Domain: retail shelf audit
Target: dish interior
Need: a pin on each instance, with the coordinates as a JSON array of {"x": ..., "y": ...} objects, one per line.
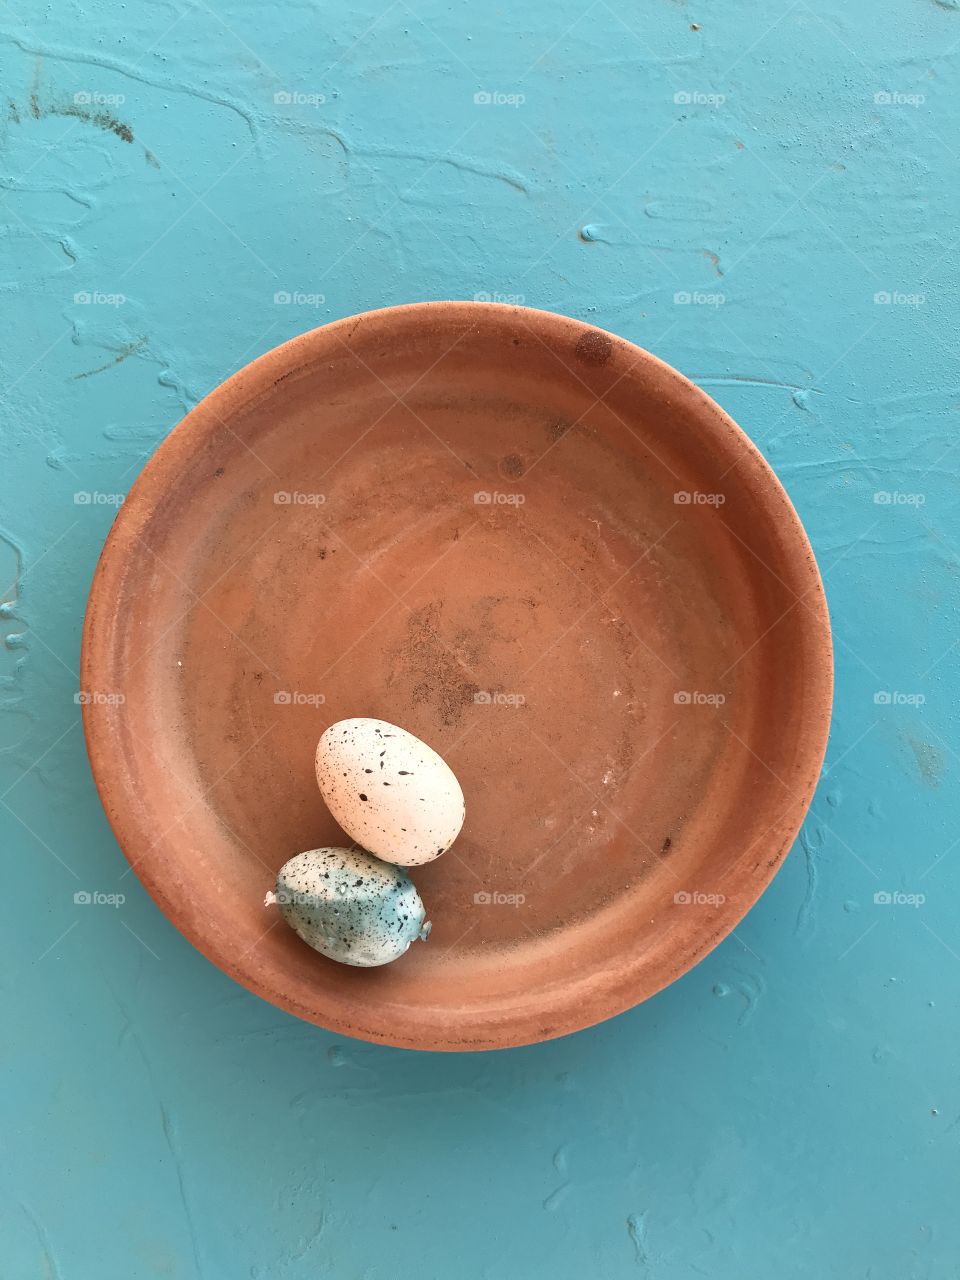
[{"x": 547, "y": 556}]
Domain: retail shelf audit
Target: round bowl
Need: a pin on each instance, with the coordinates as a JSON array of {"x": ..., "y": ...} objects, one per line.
[{"x": 540, "y": 549}]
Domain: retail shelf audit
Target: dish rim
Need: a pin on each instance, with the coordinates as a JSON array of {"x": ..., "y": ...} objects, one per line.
[{"x": 99, "y": 652}]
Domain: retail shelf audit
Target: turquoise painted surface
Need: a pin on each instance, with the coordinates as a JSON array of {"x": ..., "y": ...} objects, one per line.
[{"x": 791, "y": 1107}]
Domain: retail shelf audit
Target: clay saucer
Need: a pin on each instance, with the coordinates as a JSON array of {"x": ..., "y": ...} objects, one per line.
[{"x": 538, "y": 548}]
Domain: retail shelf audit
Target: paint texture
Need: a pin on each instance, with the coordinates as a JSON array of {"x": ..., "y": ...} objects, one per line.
[{"x": 767, "y": 199}]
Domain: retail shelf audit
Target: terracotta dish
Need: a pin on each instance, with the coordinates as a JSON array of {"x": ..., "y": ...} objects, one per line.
[{"x": 538, "y": 548}]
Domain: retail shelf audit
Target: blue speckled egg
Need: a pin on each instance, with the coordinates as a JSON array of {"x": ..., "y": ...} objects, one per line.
[{"x": 350, "y": 906}]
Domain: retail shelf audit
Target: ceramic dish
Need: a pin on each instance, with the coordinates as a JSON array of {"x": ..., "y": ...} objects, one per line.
[{"x": 532, "y": 544}]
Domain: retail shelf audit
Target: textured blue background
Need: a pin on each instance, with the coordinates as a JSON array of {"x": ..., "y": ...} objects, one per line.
[{"x": 792, "y": 1106}]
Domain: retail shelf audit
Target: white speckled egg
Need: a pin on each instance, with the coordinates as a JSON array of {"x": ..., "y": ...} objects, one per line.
[
  {"x": 350, "y": 906},
  {"x": 389, "y": 791}
]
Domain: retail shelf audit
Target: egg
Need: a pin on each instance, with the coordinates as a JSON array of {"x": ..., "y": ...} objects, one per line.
[
  {"x": 350, "y": 906},
  {"x": 389, "y": 791}
]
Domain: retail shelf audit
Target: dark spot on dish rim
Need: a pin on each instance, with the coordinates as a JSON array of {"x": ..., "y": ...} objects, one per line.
[{"x": 594, "y": 348}]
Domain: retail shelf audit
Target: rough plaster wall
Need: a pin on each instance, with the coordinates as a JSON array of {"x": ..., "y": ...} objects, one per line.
[{"x": 792, "y": 1106}]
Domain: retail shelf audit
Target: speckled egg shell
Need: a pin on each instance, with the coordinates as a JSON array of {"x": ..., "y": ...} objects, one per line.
[
  {"x": 349, "y": 906},
  {"x": 389, "y": 791}
]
